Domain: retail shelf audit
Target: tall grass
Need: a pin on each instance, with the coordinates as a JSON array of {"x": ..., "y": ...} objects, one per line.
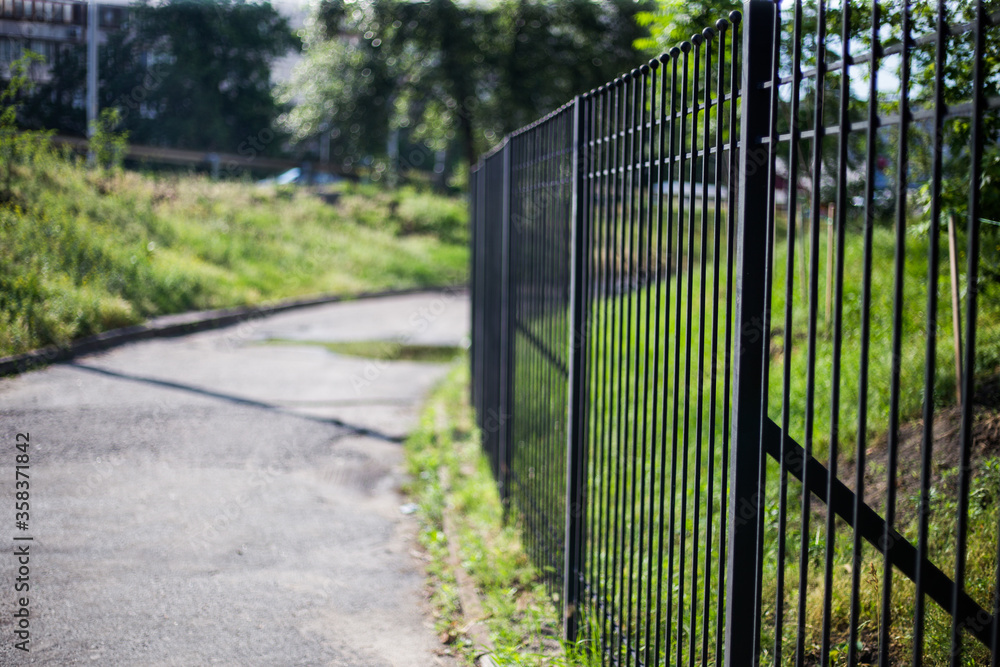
[
  {"x": 84, "y": 250},
  {"x": 645, "y": 440}
]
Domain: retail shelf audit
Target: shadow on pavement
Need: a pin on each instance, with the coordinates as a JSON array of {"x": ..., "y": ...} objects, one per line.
[{"x": 357, "y": 430}]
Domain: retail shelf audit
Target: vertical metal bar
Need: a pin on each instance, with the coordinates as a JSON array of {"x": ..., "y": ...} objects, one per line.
[
  {"x": 769, "y": 243},
  {"x": 512, "y": 285},
  {"x": 587, "y": 287},
  {"x": 930, "y": 365},
  {"x": 506, "y": 333},
  {"x": 689, "y": 317},
  {"x": 520, "y": 358},
  {"x": 635, "y": 349},
  {"x": 534, "y": 443},
  {"x": 748, "y": 351},
  {"x": 596, "y": 364},
  {"x": 814, "y": 212},
  {"x": 683, "y": 456},
  {"x": 607, "y": 336},
  {"x": 892, "y": 444},
  {"x": 481, "y": 306},
  {"x": 621, "y": 415},
  {"x": 646, "y": 230},
  {"x": 968, "y": 371},
  {"x": 548, "y": 180},
  {"x": 656, "y": 467},
  {"x": 473, "y": 180},
  {"x": 579, "y": 201},
  {"x": 548, "y": 487},
  {"x": 707, "y": 35},
  {"x": 681, "y": 155},
  {"x": 668, "y": 390},
  {"x": 735, "y": 18},
  {"x": 721, "y": 26},
  {"x": 866, "y": 297},
  {"x": 555, "y": 444},
  {"x": 488, "y": 249},
  {"x": 614, "y": 389},
  {"x": 842, "y": 155},
  {"x": 787, "y": 337},
  {"x": 596, "y": 452},
  {"x": 539, "y": 328},
  {"x": 475, "y": 286},
  {"x": 843, "y": 128},
  {"x": 576, "y": 439},
  {"x": 632, "y": 347}
]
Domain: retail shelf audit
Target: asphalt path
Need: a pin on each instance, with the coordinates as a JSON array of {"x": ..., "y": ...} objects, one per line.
[{"x": 217, "y": 499}]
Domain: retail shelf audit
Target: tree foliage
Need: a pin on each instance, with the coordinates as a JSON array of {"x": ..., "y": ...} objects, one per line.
[
  {"x": 674, "y": 21},
  {"x": 450, "y": 74},
  {"x": 186, "y": 73},
  {"x": 15, "y": 144},
  {"x": 109, "y": 146}
]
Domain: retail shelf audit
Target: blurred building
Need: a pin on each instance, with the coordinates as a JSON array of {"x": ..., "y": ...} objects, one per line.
[{"x": 49, "y": 26}]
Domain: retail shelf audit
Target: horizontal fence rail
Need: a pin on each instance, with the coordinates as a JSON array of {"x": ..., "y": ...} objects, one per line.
[{"x": 736, "y": 342}]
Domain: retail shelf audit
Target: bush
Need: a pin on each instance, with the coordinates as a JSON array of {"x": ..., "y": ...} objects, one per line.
[
  {"x": 407, "y": 212},
  {"x": 443, "y": 217}
]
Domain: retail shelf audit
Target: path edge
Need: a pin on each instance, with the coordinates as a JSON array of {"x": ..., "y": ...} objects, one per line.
[{"x": 187, "y": 323}]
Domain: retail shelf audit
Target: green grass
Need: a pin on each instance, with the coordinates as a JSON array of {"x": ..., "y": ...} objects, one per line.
[
  {"x": 449, "y": 475},
  {"x": 83, "y": 251},
  {"x": 621, "y": 469}
]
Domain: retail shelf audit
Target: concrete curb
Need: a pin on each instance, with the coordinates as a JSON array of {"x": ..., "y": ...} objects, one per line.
[
  {"x": 181, "y": 324},
  {"x": 468, "y": 597}
]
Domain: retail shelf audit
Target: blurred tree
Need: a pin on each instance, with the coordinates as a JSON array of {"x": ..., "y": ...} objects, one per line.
[
  {"x": 185, "y": 73},
  {"x": 674, "y": 21},
  {"x": 959, "y": 77},
  {"x": 14, "y": 143},
  {"x": 108, "y": 145},
  {"x": 452, "y": 74},
  {"x": 59, "y": 103}
]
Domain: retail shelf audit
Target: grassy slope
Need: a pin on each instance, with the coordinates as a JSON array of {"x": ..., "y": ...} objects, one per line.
[{"x": 83, "y": 251}]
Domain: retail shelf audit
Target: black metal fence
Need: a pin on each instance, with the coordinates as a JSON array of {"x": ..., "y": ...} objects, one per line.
[{"x": 746, "y": 409}]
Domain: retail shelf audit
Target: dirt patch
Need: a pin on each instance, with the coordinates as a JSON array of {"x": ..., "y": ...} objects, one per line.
[{"x": 945, "y": 453}]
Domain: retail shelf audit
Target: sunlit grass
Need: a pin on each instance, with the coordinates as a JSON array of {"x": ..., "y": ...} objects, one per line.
[
  {"x": 450, "y": 477},
  {"x": 627, "y": 467},
  {"x": 83, "y": 251}
]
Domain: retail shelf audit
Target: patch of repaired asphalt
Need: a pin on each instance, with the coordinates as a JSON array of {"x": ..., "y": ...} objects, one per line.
[{"x": 203, "y": 500}]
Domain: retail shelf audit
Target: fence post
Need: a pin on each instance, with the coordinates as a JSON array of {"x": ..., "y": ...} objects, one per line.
[
  {"x": 741, "y": 593},
  {"x": 478, "y": 287},
  {"x": 576, "y": 441},
  {"x": 506, "y": 335}
]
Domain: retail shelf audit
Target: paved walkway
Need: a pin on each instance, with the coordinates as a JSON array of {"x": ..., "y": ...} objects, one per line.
[{"x": 212, "y": 499}]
